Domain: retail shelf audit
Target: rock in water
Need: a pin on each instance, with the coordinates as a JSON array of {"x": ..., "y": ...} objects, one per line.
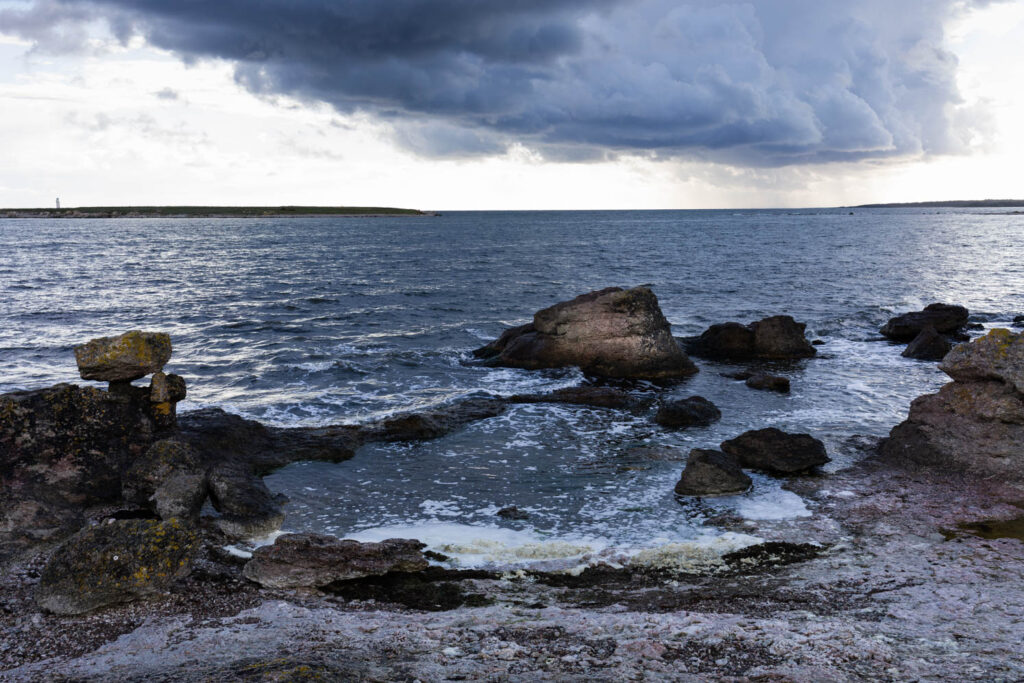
[
  {"x": 945, "y": 318},
  {"x": 928, "y": 345},
  {"x": 114, "y": 563},
  {"x": 765, "y": 382},
  {"x": 695, "y": 411},
  {"x": 778, "y": 337},
  {"x": 711, "y": 473},
  {"x": 309, "y": 560},
  {"x": 974, "y": 424},
  {"x": 776, "y": 451},
  {"x": 612, "y": 332},
  {"x": 248, "y": 508},
  {"x": 123, "y": 358},
  {"x": 999, "y": 355}
]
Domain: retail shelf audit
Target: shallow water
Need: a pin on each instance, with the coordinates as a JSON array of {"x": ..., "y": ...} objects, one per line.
[{"x": 316, "y": 320}]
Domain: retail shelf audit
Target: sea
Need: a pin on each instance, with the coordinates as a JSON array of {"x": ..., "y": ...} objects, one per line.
[{"x": 323, "y": 320}]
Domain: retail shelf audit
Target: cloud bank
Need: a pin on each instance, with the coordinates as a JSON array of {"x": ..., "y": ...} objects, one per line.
[{"x": 758, "y": 83}]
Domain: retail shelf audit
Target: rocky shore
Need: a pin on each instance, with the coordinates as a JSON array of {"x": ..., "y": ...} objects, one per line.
[{"x": 112, "y": 568}]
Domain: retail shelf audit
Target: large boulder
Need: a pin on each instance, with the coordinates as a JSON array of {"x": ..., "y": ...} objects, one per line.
[
  {"x": 975, "y": 424},
  {"x": 778, "y": 337},
  {"x": 711, "y": 473},
  {"x": 695, "y": 411},
  {"x": 114, "y": 563},
  {"x": 312, "y": 560},
  {"x": 125, "y": 357},
  {"x": 612, "y": 332},
  {"x": 247, "y": 507},
  {"x": 945, "y": 318},
  {"x": 776, "y": 451}
]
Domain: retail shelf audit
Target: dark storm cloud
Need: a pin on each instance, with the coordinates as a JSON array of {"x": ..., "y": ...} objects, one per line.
[{"x": 762, "y": 82}]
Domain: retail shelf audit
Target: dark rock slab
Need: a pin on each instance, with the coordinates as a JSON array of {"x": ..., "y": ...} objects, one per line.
[
  {"x": 928, "y": 345},
  {"x": 432, "y": 423},
  {"x": 711, "y": 473},
  {"x": 766, "y": 382},
  {"x": 695, "y": 411},
  {"x": 777, "y": 337},
  {"x": 513, "y": 512},
  {"x": 114, "y": 563},
  {"x": 945, "y": 318},
  {"x": 123, "y": 358},
  {"x": 311, "y": 560},
  {"x": 596, "y": 397},
  {"x": 776, "y": 451},
  {"x": 612, "y": 332}
]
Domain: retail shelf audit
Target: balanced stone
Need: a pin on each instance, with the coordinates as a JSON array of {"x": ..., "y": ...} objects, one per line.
[
  {"x": 310, "y": 560},
  {"x": 123, "y": 358},
  {"x": 612, "y": 332},
  {"x": 114, "y": 563}
]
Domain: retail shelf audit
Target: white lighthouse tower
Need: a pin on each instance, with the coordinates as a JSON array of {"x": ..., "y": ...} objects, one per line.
[{"x": 58, "y": 202}]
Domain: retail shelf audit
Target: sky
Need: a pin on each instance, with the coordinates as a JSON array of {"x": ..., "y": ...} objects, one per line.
[{"x": 510, "y": 104}]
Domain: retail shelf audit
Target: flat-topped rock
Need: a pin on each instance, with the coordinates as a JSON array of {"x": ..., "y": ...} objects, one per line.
[
  {"x": 945, "y": 318},
  {"x": 612, "y": 332},
  {"x": 999, "y": 355},
  {"x": 778, "y": 337},
  {"x": 311, "y": 560},
  {"x": 125, "y": 357},
  {"x": 776, "y": 451}
]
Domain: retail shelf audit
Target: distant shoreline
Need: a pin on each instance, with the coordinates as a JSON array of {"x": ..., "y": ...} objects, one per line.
[
  {"x": 950, "y": 204},
  {"x": 211, "y": 212}
]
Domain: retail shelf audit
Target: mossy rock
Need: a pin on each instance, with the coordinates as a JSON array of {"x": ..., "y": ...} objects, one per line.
[
  {"x": 125, "y": 357},
  {"x": 114, "y": 563}
]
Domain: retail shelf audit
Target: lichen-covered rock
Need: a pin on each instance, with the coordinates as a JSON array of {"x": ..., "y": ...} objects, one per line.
[
  {"x": 695, "y": 411},
  {"x": 945, "y": 318},
  {"x": 180, "y": 495},
  {"x": 778, "y": 337},
  {"x": 776, "y": 451},
  {"x": 310, "y": 560},
  {"x": 974, "y": 424},
  {"x": 999, "y": 355},
  {"x": 612, "y": 332},
  {"x": 123, "y": 358},
  {"x": 114, "y": 563},
  {"x": 928, "y": 345},
  {"x": 711, "y": 473}
]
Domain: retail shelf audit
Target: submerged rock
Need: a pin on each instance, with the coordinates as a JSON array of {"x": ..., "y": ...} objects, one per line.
[
  {"x": 513, "y": 512},
  {"x": 312, "y": 560},
  {"x": 123, "y": 358},
  {"x": 776, "y": 451},
  {"x": 695, "y": 411},
  {"x": 928, "y": 345},
  {"x": 765, "y": 382},
  {"x": 778, "y": 337},
  {"x": 711, "y": 473},
  {"x": 612, "y": 332},
  {"x": 945, "y": 318},
  {"x": 974, "y": 424},
  {"x": 116, "y": 562},
  {"x": 597, "y": 397}
]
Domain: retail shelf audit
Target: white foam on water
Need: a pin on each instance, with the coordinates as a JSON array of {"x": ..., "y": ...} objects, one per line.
[
  {"x": 773, "y": 504},
  {"x": 698, "y": 554}
]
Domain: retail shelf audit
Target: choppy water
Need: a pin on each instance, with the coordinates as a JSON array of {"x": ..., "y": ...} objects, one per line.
[{"x": 307, "y": 321}]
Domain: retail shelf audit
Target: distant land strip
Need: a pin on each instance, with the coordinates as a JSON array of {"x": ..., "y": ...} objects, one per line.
[
  {"x": 207, "y": 211},
  {"x": 954, "y": 204}
]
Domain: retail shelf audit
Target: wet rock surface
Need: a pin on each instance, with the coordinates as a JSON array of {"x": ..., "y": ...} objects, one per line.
[
  {"x": 944, "y": 318},
  {"x": 695, "y": 411},
  {"x": 123, "y": 358},
  {"x": 612, "y": 332},
  {"x": 711, "y": 473},
  {"x": 766, "y": 382},
  {"x": 595, "y": 397},
  {"x": 777, "y": 337},
  {"x": 928, "y": 345},
  {"x": 115, "y": 562},
  {"x": 310, "y": 560},
  {"x": 776, "y": 451}
]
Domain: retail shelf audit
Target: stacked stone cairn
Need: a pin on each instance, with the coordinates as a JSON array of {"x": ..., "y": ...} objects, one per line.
[{"x": 130, "y": 356}]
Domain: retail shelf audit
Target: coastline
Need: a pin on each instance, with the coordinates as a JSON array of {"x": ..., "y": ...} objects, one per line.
[{"x": 213, "y": 212}]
